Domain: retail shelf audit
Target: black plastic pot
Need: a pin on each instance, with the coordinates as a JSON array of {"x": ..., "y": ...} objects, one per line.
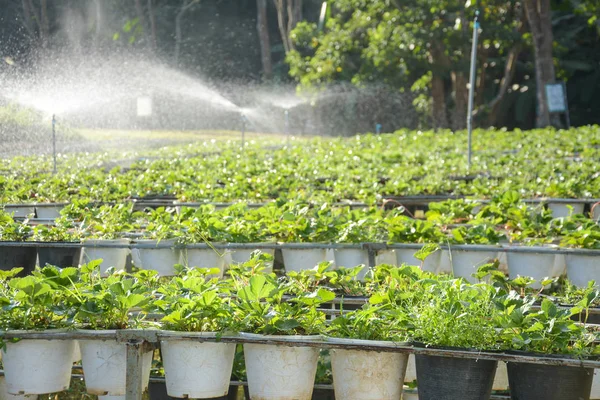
[
  {"x": 18, "y": 257},
  {"x": 323, "y": 394},
  {"x": 158, "y": 391},
  {"x": 62, "y": 257},
  {"x": 448, "y": 378},
  {"x": 549, "y": 382}
]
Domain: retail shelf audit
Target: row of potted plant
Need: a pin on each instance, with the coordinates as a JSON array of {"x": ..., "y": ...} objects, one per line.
[
  {"x": 405, "y": 306},
  {"x": 323, "y": 169}
]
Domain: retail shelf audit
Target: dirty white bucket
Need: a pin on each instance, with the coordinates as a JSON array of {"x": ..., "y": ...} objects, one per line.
[
  {"x": 76, "y": 351},
  {"x": 351, "y": 258},
  {"x": 466, "y": 262},
  {"x": 281, "y": 372},
  {"x": 111, "y": 257},
  {"x": 535, "y": 265},
  {"x": 105, "y": 366},
  {"x": 204, "y": 258},
  {"x": 561, "y": 210},
  {"x": 411, "y": 370},
  {"x": 386, "y": 257},
  {"x": 37, "y": 366},
  {"x": 431, "y": 263},
  {"x": 583, "y": 268},
  {"x": 302, "y": 259},
  {"x": 161, "y": 260},
  {"x": 595, "y": 394},
  {"x": 50, "y": 211},
  {"x": 501, "y": 378},
  {"x": 445, "y": 262},
  {"x": 4, "y": 395},
  {"x": 368, "y": 375},
  {"x": 196, "y": 370}
]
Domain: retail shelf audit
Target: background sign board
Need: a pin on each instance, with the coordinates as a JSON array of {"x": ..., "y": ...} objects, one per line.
[{"x": 556, "y": 98}]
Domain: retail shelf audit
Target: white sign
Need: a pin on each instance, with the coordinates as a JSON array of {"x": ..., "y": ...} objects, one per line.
[
  {"x": 556, "y": 98},
  {"x": 144, "y": 106}
]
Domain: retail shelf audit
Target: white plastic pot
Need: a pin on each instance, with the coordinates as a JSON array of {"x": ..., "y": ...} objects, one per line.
[
  {"x": 368, "y": 375},
  {"x": 76, "y": 351},
  {"x": 561, "y": 210},
  {"x": 560, "y": 264},
  {"x": 350, "y": 258},
  {"x": 302, "y": 259},
  {"x": 595, "y": 394},
  {"x": 386, "y": 257},
  {"x": 431, "y": 263},
  {"x": 162, "y": 260},
  {"x": 196, "y": 369},
  {"x": 111, "y": 257},
  {"x": 242, "y": 255},
  {"x": 501, "y": 378},
  {"x": 411, "y": 370},
  {"x": 4, "y": 395},
  {"x": 466, "y": 262},
  {"x": 105, "y": 366},
  {"x": 445, "y": 262},
  {"x": 596, "y": 211},
  {"x": 204, "y": 258},
  {"x": 583, "y": 268},
  {"x": 37, "y": 366},
  {"x": 111, "y": 397},
  {"x": 20, "y": 211},
  {"x": 48, "y": 212},
  {"x": 281, "y": 372},
  {"x": 535, "y": 265}
]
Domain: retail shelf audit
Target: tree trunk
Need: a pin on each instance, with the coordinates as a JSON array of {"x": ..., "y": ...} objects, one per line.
[
  {"x": 509, "y": 72},
  {"x": 461, "y": 97},
  {"x": 540, "y": 24},
  {"x": 263, "y": 36},
  {"x": 438, "y": 106},
  {"x": 280, "y": 5},
  {"x": 152, "y": 25},
  {"x": 289, "y": 13}
]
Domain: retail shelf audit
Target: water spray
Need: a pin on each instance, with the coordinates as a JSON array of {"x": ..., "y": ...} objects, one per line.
[
  {"x": 244, "y": 122},
  {"x": 54, "y": 140},
  {"x": 287, "y": 126}
]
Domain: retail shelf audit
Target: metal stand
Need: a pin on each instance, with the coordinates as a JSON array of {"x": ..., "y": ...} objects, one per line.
[
  {"x": 244, "y": 121},
  {"x": 54, "y": 140},
  {"x": 472, "y": 86}
]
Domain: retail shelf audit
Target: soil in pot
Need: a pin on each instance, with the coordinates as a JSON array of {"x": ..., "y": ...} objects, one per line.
[
  {"x": 18, "y": 257},
  {"x": 549, "y": 382},
  {"x": 62, "y": 257},
  {"x": 451, "y": 378}
]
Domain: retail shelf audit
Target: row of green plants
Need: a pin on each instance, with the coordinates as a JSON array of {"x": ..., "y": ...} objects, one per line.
[
  {"x": 505, "y": 219},
  {"x": 363, "y": 168},
  {"x": 403, "y": 304}
]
